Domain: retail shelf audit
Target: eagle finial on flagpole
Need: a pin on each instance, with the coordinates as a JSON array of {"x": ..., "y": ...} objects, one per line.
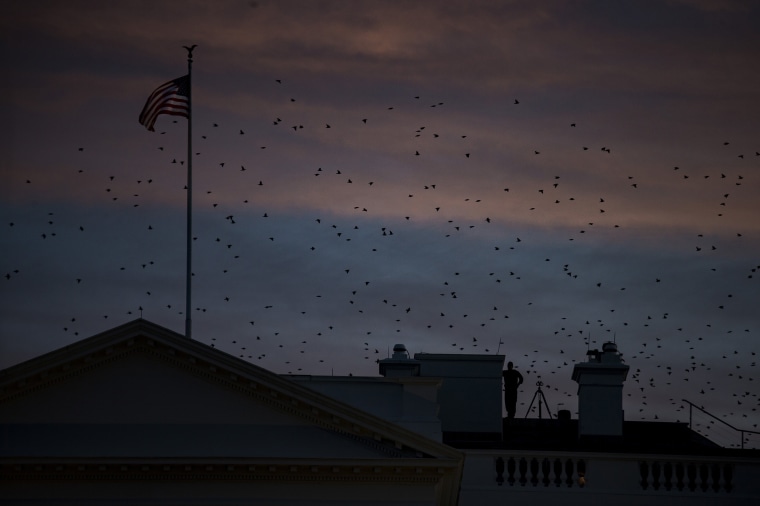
[{"x": 190, "y": 51}]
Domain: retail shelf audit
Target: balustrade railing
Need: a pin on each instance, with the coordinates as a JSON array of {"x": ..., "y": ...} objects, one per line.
[
  {"x": 546, "y": 472},
  {"x": 676, "y": 475},
  {"x": 682, "y": 476}
]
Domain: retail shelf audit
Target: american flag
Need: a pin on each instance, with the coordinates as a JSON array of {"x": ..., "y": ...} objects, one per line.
[{"x": 169, "y": 98}]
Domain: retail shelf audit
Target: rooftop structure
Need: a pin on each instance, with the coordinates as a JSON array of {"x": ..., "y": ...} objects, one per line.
[
  {"x": 142, "y": 414},
  {"x": 600, "y": 392}
]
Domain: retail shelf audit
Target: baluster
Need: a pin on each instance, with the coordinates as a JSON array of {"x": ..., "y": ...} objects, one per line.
[
  {"x": 656, "y": 475},
  {"x": 581, "y": 473},
  {"x": 704, "y": 474},
  {"x": 500, "y": 471},
  {"x": 546, "y": 469},
  {"x": 728, "y": 474},
  {"x": 644, "y": 472},
  {"x": 569, "y": 472},
  {"x": 715, "y": 477},
  {"x": 534, "y": 471},
  {"x": 511, "y": 471},
  {"x": 691, "y": 472},
  {"x": 679, "y": 476},
  {"x": 557, "y": 472},
  {"x": 668, "y": 473},
  {"x": 523, "y": 471}
]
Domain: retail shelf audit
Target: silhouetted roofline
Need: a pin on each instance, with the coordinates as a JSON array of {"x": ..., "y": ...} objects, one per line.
[
  {"x": 639, "y": 437},
  {"x": 326, "y": 411}
]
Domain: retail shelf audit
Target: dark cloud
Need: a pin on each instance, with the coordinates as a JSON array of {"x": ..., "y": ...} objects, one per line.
[{"x": 535, "y": 180}]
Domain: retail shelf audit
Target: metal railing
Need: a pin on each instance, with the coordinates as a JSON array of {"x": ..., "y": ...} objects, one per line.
[{"x": 741, "y": 432}]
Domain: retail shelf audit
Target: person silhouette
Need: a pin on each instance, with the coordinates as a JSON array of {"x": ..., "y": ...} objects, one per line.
[{"x": 512, "y": 380}]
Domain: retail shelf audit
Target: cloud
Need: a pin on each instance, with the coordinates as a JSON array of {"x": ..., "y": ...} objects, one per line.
[{"x": 316, "y": 219}]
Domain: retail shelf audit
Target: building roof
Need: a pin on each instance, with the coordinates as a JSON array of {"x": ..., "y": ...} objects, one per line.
[
  {"x": 142, "y": 393},
  {"x": 640, "y": 437}
]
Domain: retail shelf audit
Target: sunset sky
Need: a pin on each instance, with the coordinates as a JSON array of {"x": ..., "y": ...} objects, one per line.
[{"x": 532, "y": 178}]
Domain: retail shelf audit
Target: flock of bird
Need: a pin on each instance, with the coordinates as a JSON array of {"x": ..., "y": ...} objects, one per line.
[{"x": 323, "y": 265}]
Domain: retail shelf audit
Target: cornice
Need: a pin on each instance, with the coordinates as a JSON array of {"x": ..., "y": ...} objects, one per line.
[{"x": 250, "y": 470}]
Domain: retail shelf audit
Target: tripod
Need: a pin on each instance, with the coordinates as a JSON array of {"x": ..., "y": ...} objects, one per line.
[{"x": 540, "y": 396}]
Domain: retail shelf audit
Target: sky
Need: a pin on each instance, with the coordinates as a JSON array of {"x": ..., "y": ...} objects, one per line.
[{"x": 531, "y": 179}]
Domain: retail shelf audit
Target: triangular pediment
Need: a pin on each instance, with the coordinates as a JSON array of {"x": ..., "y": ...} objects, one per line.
[{"x": 141, "y": 383}]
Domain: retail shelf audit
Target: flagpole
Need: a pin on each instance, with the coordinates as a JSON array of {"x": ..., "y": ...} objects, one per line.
[{"x": 189, "y": 272}]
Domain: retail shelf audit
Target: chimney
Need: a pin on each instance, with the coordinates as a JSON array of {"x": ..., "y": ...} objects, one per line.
[
  {"x": 470, "y": 396},
  {"x": 399, "y": 364},
  {"x": 600, "y": 392}
]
